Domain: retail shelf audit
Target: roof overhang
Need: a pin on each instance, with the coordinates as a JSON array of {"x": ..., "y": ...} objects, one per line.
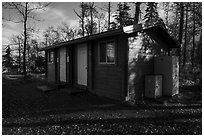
[
  {"x": 86, "y": 38},
  {"x": 158, "y": 33},
  {"x": 161, "y": 36}
]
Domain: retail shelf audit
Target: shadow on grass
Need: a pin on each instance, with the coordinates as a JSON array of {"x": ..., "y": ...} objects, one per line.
[
  {"x": 167, "y": 118},
  {"x": 115, "y": 107},
  {"x": 29, "y": 103}
]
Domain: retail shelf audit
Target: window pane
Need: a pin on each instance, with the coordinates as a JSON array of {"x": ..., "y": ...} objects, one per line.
[
  {"x": 110, "y": 52},
  {"x": 102, "y": 52},
  {"x": 48, "y": 56},
  {"x": 51, "y": 56}
]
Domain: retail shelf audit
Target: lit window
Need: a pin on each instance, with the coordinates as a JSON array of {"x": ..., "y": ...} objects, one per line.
[
  {"x": 107, "y": 52},
  {"x": 50, "y": 56}
]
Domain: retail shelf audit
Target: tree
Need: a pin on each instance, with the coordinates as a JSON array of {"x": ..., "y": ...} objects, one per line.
[
  {"x": 122, "y": 17},
  {"x": 108, "y": 9},
  {"x": 82, "y": 14},
  {"x": 91, "y": 28},
  {"x": 34, "y": 45},
  {"x": 25, "y": 11},
  {"x": 40, "y": 64},
  {"x": 105, "y": 16},
  {"x": 7, "y": 58},
  {"x": 51, "y": 35},
  {"x": 181, "y": 23},
  {"x": 151, "y": 14},
  {"x": 166, "y": 6},
  {"x": 185, "y": 42},
  {"x": 91, "y": 10},
  {"x": 86, "y": 16},
  {"x": 137, "y": 11},
  {"x": 109, "y": 14},
  {"x": 67, "y": 32},
  {"x": 100, "y": 18},
  {"x": 18, "y": 40},
  {"x": 194, "y": 29},
  {"x": 173, "y": 24},
  {"x": 184, "y": 21}
]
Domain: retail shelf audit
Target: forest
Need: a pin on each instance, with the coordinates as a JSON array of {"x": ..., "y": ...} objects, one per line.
[{"x": 183, "y": 20}]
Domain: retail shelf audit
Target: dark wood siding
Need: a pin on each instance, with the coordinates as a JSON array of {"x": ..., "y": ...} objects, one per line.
[
  {"x": 108, "y": 79},
  {"x": 139, "y": 64},
  {"x": 57, "y": 66},
  {"x": 90, "y": 65},
  {"x": 140, "y": 69},
  {"x": 50, "y": 69},
  {"x": 72, "y": 62},
  {"x": 46, "y": 65}
]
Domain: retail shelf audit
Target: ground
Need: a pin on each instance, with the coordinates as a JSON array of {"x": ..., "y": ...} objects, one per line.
[{"x": 27, "y": 110}]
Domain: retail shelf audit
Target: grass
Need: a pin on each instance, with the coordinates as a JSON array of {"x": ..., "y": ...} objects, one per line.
[
  {"x": 27, "y": 110},
  {"x": 21, "y": 98}
]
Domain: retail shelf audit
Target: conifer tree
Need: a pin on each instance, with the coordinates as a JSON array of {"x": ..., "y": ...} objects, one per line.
[
  {"x": 123, "y": 18},
  {"x": 7, "y": 58},
  {"x": 151, "y": 15}
]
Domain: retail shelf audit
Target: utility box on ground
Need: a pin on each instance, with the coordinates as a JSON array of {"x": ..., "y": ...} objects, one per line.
[
  {"x": 168, "y": 67},
  {"x": 153, "y": 86}
]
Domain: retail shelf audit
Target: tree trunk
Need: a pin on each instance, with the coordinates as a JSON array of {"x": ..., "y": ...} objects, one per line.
[
  {"x": 193, "y": 48},
  {"x": 137, "y": 12},
  {"x": 99, "y": 26},
  {"x": 180, "y": 29},
  {"x": 25, "y": 39},
  {"x": 19, "y": 57},
  {"x": 82, "y": 19},
  {"x": 91, "y": 12},
  {"x": 109, "y": 15},
  {"x": 166, "y": 12},
  {"x": 184, "y": 46},
  {"x": 28, "y": 57}
]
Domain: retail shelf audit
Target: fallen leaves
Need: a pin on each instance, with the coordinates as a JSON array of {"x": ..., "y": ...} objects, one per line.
[
  {"x": 108, "y": 122},
  {"x": 17, "y": 118}
]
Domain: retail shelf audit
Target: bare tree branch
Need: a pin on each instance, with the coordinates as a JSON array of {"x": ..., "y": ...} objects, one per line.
[
  {"x": 41, "y": 7},
  {"x": 77, "y": 14},
  {"x": 33, "y": 17},
  {"x": 17, "y": 8},
  {"x": 25, "y": 11}
]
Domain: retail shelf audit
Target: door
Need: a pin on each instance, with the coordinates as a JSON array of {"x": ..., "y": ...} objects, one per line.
[
  {"x": 82, "y": 64},
  {"x": 62, "y": 63}
]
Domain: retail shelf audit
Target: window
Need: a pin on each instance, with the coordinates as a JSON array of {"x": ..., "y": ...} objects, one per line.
[
  {"x": 107, "y": 52},
  {"x": 50, "y": 56}
]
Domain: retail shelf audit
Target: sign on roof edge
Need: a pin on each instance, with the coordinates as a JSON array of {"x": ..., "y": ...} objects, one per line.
[{"x": 132, "y": 28}]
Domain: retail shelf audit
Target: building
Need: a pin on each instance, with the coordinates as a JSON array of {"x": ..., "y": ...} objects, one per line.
[{"x": 112, "y": 63}]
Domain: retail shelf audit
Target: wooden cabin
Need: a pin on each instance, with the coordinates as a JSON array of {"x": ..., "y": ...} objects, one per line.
[{"x": 112, "y": 63}]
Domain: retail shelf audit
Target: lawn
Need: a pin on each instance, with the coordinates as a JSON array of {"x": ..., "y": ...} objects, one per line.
[
  {"x": 22, "y": 98},
  {"x": 27, "y": 110}
]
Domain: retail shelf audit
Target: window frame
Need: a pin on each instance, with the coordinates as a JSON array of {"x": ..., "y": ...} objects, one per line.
[{"x": 99, "y": 55}]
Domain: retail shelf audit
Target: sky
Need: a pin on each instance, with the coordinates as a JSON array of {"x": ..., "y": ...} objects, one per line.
[{"x": 54, "y": 15}]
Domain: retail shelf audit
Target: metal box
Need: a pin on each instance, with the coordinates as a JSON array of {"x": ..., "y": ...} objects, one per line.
[{"x": 168, "y": 67}]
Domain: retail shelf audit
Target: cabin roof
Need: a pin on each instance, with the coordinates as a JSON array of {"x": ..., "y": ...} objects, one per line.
[{"x": 158, "y": 33}]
